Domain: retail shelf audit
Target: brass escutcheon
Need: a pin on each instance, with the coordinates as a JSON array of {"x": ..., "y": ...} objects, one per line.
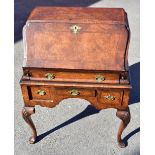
[
  {"x": 41, "y": 92},
  {"x": 75, "y": 28},
  {"x": 110, "y": 97},
  {"x": 100, "y": 78},
  {"x": 50, "y": 76},
  {"x": 74, "y": 92}
]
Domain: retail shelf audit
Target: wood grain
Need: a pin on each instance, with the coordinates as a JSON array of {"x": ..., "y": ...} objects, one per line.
[
  {"x": 125, "y": 117},
  {"x": 73, "y": 76},
  {"x": 53, "y": 45},
  {"x": 75, "y": 60},
  {"x": 26, "y": 114}
]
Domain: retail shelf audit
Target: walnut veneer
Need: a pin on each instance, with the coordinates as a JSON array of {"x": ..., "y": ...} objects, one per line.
[{"x": 76, "y": 53}]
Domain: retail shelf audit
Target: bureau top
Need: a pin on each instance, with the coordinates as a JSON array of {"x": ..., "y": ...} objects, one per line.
[
  {"x": 78, "y": 14},
  {"x": 76, "y": 38}
]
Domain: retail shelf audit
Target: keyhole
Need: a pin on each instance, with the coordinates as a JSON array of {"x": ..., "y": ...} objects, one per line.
[{"x": 75, "y": 28}]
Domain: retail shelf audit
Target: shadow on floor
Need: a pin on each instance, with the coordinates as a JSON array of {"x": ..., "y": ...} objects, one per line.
[
  {"x": 90, "y": 110},
  {"x": 126, "y": 138},
  {"x": 135, "y": 83},
  {"x": 23, "y": 8}
]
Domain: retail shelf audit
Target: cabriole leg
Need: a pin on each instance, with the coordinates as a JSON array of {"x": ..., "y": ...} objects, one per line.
[
  {"x": 26, "y": 114},
  {"x": 124, "y": 115}
]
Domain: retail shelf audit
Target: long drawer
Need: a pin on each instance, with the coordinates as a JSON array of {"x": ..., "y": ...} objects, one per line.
[{"x": 73, "y": 76}]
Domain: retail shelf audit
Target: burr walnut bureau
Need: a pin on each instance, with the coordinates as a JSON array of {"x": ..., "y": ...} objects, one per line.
[{"x": 75, "y": 52}]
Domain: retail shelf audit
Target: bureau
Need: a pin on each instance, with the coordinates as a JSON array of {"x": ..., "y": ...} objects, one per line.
[{"x": 75, "y": 52}]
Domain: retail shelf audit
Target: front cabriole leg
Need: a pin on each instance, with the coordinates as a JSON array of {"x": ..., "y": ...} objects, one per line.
[
  {"x": 26, "y": 114},
  {"x": 124, "y": 115}
]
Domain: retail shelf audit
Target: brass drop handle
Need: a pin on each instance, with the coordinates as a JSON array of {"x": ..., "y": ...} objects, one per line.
[
  {"x": 74, "y": 92},
  {"x": 50, "y": 76},
  {"x": 75, "y": 28},
  {"x": 110, "y": 97},
  {"x": 41, "y": 92},
  {"x": 100, "y": 78}
]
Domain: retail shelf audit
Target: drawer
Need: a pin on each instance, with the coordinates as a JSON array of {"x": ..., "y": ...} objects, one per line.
[
  {"x": 39, "y": 92},
  {"x": 70, "y": 76},
  {"x": 111, "y": 97}
]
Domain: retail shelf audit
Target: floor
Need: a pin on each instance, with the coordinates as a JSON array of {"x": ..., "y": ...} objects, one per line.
[{"x": 74, "y": 127}]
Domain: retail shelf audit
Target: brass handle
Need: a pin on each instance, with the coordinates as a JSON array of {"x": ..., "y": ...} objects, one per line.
[
  {"x": 100, "y": 78},
  {"x": 110, "y": 97},
  {"x": 75, "y": 28},
  {"x": 50, "y": 76},
  {"x": 41, "y": 92},
  {"x": 74, "y": 92}
]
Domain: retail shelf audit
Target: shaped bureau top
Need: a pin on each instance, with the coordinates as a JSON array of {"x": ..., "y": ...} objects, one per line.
[
  {"x": 78, "y": 14},
  {"x": 76, "y": 38}
]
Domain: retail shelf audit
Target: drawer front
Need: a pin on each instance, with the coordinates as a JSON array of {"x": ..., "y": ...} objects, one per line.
[
  {"x": 68, "y": 76},
  {"x": 39, "y": 92},
  {"x": 111, "y": 97}
]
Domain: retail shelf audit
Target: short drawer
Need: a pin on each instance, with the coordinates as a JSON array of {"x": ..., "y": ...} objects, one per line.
[
  {"x": 70, "y": 76},
  {"x": 111, "y": 97},
  {"x": 39, "y": 92}
]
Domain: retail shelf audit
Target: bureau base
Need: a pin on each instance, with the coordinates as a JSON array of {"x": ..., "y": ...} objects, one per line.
[{"x": 124, "y": 115}]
